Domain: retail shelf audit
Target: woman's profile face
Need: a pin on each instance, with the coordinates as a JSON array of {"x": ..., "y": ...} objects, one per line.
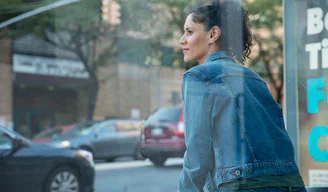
[{"x": 195, "y": 41}]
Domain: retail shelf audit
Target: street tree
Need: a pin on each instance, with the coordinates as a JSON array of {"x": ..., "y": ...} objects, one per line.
[{"x": 78, "y": 28}]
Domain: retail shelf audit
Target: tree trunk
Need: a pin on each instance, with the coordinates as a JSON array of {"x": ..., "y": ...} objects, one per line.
[{"x": 93, "y": 93}]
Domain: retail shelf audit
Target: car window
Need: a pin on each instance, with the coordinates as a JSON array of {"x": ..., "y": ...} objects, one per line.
[
  {"x": 77, "y": 130},
  {"x": 105, "y": 127},
  {"x": 128, "y": 126},
  {"x": 5, "y": 141},
  {"x": 48, "y": 133},
  {"x": 107, "y": 130},
  {"x": 165, "y": 115}
]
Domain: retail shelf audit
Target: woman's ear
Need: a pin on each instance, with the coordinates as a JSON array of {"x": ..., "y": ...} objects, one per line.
[{"x": 215, "y": 34}]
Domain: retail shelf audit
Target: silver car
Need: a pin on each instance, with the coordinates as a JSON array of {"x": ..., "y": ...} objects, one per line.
[{"x": 106, "y": 140}]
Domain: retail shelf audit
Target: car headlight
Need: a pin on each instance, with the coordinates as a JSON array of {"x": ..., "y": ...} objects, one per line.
[
  {"x": 84, "y": 154},
  {"x": 65, "y": 143},
  {"x": 60, "y": 144}
]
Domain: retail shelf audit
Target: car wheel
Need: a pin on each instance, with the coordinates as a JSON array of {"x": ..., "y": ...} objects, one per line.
[
  {"x": 64, "y": 178},
  {"x": 158, "y": 161}
]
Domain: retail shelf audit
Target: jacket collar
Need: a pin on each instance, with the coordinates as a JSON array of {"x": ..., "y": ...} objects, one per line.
[{"x": 215, "y": 56}]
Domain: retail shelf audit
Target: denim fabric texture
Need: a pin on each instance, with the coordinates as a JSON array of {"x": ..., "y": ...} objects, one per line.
[{"x": 233, "y": 126}]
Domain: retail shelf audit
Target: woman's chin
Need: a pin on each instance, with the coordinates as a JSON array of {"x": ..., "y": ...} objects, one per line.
[{"x": 186, "y": 60}]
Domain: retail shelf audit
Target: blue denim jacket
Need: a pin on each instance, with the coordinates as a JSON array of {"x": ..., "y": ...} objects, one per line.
[{"x": 233, "y": 126}]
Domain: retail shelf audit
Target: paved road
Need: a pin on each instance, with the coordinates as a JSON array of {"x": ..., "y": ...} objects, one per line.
[{"x": 137, "y": 176}]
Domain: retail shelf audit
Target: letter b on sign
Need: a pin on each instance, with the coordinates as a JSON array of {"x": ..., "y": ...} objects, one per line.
[{"x": 314, "y": 21}]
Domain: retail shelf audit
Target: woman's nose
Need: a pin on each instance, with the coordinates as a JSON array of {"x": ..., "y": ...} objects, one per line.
[{"x": 182, "y": 40}]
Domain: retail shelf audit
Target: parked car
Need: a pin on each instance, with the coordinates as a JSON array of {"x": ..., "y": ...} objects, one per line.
[
  {"x": 51, "y": 133},
  {"x": 163, "y": 135},
  {"x": 37, "y": 167},
  {"x": 106, "y": 140}
]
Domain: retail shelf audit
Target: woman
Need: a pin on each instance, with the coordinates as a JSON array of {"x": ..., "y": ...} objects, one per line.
[{"x": 234, "y": 129}]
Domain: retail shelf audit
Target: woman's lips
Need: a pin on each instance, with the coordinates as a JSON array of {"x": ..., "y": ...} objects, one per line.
[{"x": 185, "y": 50}]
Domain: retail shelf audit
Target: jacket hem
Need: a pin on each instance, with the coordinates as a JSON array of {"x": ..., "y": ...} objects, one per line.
[{"x": 256, "y": 169}]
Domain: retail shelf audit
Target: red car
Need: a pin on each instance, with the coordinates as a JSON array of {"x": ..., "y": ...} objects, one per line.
[
  {"x": 163, "y": 135},
  {"x": 51, "y": 133}
]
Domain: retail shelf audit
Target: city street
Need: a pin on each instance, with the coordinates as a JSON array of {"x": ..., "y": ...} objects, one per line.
[{"x": 137, "y": 176}]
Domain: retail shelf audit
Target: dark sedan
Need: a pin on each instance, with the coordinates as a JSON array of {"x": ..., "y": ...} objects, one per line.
[{"x": 36, "y": 167}]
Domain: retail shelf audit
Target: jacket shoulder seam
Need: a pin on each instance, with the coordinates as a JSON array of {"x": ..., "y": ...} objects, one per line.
[{"x": 197, "y": 73}]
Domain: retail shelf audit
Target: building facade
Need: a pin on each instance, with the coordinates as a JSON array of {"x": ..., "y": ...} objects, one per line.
[{"x": 43, "y": 86}]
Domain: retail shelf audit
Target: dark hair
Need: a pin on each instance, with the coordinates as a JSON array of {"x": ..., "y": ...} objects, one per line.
[{"x": 232, "y": 19}]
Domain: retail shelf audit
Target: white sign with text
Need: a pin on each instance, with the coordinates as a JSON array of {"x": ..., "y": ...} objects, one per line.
[
  {"x": 318, "y": 178},
  {"x": 49, "y": 66}
]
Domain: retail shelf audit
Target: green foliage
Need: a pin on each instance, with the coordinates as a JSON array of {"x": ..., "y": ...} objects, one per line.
[
  {"x": 84, "y": 13},
  {"x": 265, "y": 13},
  {"x": 266, "y": 17},
  {"x": 19, "y": 6},
  {"x": 156, "y": 21},
  {"x": 13, "y": 8},
  {"x": 136, "y": 15}
]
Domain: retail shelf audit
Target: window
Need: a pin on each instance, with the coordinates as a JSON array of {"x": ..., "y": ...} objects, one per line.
[
  {"x": 166, "y": 115},
  {"x": 107, "y": 128},
  {"x": 109, "y": 66}
]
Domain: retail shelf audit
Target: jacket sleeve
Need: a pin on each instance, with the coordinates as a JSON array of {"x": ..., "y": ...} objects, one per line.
[{"x": 199, "y": 157}]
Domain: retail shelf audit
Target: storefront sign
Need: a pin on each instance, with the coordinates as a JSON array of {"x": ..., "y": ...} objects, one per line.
[
  {"x": 37, "y": 65},
  {"x": 307, "y": 22}
]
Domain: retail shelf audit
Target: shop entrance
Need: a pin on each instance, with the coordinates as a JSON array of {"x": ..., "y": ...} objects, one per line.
[
  {"x": 40, "y": 108},
  {"x": 31, "y": 121}
]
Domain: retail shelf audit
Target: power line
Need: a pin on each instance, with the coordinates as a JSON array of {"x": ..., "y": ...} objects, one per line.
[{"x": 36, "y": 11}]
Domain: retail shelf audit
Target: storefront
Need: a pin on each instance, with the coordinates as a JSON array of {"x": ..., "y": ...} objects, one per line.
[{"x": 48, "y": 88}]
